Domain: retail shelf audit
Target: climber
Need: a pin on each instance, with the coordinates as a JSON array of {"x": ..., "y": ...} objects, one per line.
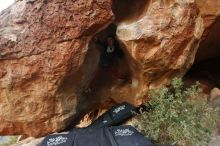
[
  {"x": 110, "y": 58},
  {"x": 110, "y": 53}
]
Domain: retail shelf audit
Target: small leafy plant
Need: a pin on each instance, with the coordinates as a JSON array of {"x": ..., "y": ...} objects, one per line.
[
  {"x": 11, "y": 140},
  {"x": 177, "y": 117}
]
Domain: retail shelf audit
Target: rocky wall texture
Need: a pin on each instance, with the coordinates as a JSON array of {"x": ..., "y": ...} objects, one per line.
[
  {"x": 43, "y": 44},
  {"x": 162, "y": 43}
]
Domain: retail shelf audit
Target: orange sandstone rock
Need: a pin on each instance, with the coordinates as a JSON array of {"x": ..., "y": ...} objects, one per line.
[{"x": 43, "y": 45}]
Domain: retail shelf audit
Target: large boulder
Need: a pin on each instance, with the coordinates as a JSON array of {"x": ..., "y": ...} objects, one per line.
[
  {"x": 161, "y": 42},
  {"x": 43, "y": 45}
]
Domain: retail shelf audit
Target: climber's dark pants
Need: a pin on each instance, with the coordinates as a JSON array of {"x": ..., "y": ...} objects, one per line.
[
  {"x": 112, "y": 70},
  {"x": 107, "y": 69}
]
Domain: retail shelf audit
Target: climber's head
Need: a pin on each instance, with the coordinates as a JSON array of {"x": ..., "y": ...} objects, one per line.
[{"x": 110, "y": 41}]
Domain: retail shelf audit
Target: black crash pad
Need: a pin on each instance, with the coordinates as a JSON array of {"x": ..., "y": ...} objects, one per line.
[
  {"x": 115, "y": 115},
  {"x": 106, "y": 136}
]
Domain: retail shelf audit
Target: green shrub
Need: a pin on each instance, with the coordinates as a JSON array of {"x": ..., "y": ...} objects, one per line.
[
  {"x": 11, "y": 140},
  {"x": 176, "y": 117}
]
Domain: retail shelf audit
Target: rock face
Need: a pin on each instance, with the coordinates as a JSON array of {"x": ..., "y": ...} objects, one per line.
[
  {"x": 42, "y": 47},
  {"x": 214, "y": 98},
  {"x": 162, "y": 42},
  {"x": 46, "y": 64}
]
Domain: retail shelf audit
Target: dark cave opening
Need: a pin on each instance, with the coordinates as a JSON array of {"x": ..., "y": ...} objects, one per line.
[
  {"x": 104, "y": 81},
  {"x": 124, "y": 11},
  {"x": 106, "y": 77},
  {"x": 207, "y": 73},
  {"x": 104, "y": 88},
  {"x": 206, "y": 68}
]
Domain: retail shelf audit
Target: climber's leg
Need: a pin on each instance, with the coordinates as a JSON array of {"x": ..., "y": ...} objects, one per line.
[{"x": 113, "y": 71}]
